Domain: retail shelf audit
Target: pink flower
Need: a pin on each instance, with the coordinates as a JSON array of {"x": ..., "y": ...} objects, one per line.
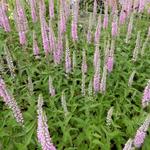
[
  {"x": 74, "y": 22},
  {"x": 58, "y": 51},
  {"x": 67, "y": 58},
  {"x": 139, "y": 138},
  {"x": 51, "y": 87},
  {"x": 51, "y": 8},
  {"x": 22, "y": 37},
  {"x": 98, "y": 30},
  {"x": 33, "y": 10},
  {"x": 105, "y": 21},
  {"x": 84, "y": 64},
  {"x": 42, "y": 128},
  {"x": 10, "y": 102},
  {"x": 141, "y": 133},
  {"x": 35, "y": 46},
  {"x": 96, "y": 80},
  {"x": 4, "y": 22},
  {"x": 110, "y": 64},
  {"x": 146, "y": 95}
]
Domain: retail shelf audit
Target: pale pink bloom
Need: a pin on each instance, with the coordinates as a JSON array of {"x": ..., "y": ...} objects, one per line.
[
  {"x": 84, "y": 63},
  {"x": 128, "y": 145},
  {"x": 103, "y": 80},
  {"x": 51, "y": 8},
  {"x": 105, "y": 21},
  {"x": 89, "y": 33},
  {"x": 146, "y": 95},
  {"x": 109, "y": 64},
  {"x": 36, "y": 51},
  {"x": 58, "y": 51},
  {"x": 62, "y": 22},
  {"x": 67, "y": 58},
  {"x": 10, "y": 102},
  {"x": 4, "y": 22},
  {"x": 42, "y": 128},
  {"x": 114, "y": 30},
  {"x": 96, "y": 56},
  {"x": 98, "y": 31},
  {"x": 33, "y": 10},
  {"x": 96, "y": 79},
  {"x": 22, "y": 37},
  {"x": 51, "y": 87},
  {"x": 74, "y": 21},
  {"x": 141, "y": 133}
]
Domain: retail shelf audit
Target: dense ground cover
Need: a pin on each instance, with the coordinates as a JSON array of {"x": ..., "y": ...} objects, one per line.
[{"x": 82, "y": 122}]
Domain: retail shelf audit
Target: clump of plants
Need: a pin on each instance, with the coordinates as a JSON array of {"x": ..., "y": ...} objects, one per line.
[{"x": 74, "y": 74}]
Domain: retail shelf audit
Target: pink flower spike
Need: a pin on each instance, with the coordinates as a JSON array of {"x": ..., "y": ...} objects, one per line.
[
  {"x": 10, "y": 102},
  {"x": 42, "y": 128},
  {"x": 146, "y": 95},
  {"x": 110, "y": 64},
  {"x": 51, "y": 8}
]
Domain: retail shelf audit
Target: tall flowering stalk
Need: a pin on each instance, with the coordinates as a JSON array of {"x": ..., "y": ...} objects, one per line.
[
  {"x": 51, "y": 87},
  {"x": 62, "y": 21},
  {"x": 51, "y": 8},
  {"x": 10, "y": 63},
  {"x": 141, "y": 133},
  {"x": 114, "y": 30},
  {"x": 89, "y": 33},
  {"x": 130, "y": 82},
  {"x": 42, "y": 128},
  {"x": 67, "y": 57},
  {"x": 110, "y": 57},
  {"x": 98, "y": 31},
  {"x": 109, "y": 116},
  {"x": 84, "y": 63},
  {"x": 128, "y": 145},
  {"x": 66, "y": 9},
  {"x": 4, "y": 22},
  {"x": 105, "y": 68},
  {"x": 84, "y": 71},
  {"x": 64, "y": 104},
  {"x": 96, "y": 56},
  {"x": 74, "y": 21},
  {"x": 137, "y": 47},
  {"x": 94, "y": 10},
  {"x": 123, "y": 15},
  {"x": 146, "y": 95},
  {"x": 44, "y": 27},
  {"x": 33, "y": 10},
  {"x": 90, "y": 88},
  {"x": 74, "y": 62},
  {"x": 105, "y": 20},
  {"x": 96, "y": 79},
  {"x": 83, "y": 84},
  {"x": 103, "y": 80},
  {"x": 58, "y": 51},
  {"x": 130, "y": 27},
  {"x": 36, "y": 51},
  {"x": 10, "y": 102},
  {"x": 21, "y": 22},
  {"x": 30, "y": 85},
  {"x": 52, "y": 38},
  {"x": 144, "y": 46}
]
